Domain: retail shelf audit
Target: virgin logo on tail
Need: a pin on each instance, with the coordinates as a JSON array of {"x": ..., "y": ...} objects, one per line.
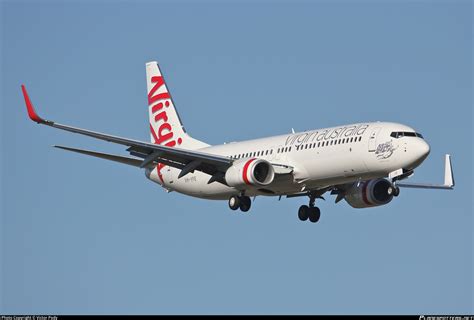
[
  {"x": 164, "y": 135},
  {"x": 158, "y": 102}
]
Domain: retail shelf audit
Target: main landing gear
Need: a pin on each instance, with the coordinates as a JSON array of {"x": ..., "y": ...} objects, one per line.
[
  {"x": 240, "y": 202},
  {"x": 309, "y": 212}
]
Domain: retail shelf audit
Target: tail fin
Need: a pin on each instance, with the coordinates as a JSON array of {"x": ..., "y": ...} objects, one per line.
[{"x": 165, "y": 125}]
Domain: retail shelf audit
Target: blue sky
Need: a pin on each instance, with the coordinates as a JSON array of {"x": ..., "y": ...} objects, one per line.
[{"x": 83, "y": 235}]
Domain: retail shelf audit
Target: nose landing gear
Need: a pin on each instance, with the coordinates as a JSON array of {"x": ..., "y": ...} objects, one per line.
[{"x": 393, "y": 190}]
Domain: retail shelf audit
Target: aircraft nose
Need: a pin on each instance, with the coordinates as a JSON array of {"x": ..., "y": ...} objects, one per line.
[{"x": 422, "y": 149}]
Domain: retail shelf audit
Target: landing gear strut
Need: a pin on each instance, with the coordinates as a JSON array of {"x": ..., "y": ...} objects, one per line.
[
  {"x": 240, "y": 202},
  {"x": 311, "y": 212}
]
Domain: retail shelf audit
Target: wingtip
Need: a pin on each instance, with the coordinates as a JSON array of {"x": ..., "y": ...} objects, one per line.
[
  {"x": 448, "y": 172},
  {"x": 29, "y": 107}
]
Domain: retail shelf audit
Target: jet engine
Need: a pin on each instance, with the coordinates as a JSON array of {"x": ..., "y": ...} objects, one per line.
[
  {"x": 250, "y": 172},
  {"x": 370, "y": 193}
]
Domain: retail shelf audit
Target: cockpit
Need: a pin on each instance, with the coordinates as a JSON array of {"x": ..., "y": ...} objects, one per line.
[{"x": 400, "y": 134}]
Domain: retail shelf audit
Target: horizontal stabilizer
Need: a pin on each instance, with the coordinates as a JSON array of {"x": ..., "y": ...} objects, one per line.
[
  {"x": 106, "y": 156},
  {"x": 448, "y": 179}
]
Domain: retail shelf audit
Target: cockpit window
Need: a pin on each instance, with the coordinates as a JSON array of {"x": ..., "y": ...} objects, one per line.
[{"x": 399, "y": 134}]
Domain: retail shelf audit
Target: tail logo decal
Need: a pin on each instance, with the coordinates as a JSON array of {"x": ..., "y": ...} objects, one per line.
[
  {"x": 159, "y": 102},
  {"x": 164, "y": 134}
]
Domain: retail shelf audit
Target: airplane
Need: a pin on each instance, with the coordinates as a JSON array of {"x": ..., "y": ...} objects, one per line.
[{"x": 364, "y": 164}]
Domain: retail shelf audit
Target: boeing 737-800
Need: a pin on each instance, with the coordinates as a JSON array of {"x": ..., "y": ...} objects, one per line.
[{"x": 362, "y": 163}]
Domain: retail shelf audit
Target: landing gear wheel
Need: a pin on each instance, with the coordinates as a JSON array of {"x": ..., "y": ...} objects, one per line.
[
  {"x": 314, "y": 214},
  {"x": 245, "y": 203},
  {"x": 396, "y": 191},
  {"x": 234, "y": 203},
  {"x": 303, "y": 213},
  {"x": 393, "y": 191}
]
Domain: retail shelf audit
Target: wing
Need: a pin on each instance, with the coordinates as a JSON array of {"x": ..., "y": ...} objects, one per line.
[
  {"x": 186, "y": 160},
  {"x": 125, "y": 160}
]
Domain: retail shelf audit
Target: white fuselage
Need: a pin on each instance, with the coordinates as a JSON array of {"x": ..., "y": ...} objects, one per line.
[{"x": 318, "y": 158}]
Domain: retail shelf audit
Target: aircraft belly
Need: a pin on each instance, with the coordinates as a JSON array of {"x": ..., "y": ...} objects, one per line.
[{"x": 195, "y": 184}]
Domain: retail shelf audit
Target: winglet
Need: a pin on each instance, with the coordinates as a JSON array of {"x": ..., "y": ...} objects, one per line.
[
  {"x": 29, "y": 106},
  {"x": 448, "y": 172},
  {"x": 448, "y": 179}
]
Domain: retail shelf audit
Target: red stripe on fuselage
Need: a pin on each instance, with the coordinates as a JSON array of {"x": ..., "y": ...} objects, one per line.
[{"x": 245, "y": 171}]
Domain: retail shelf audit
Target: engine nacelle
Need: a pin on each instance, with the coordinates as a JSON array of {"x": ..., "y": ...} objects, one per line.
[
  {"x": 250, "y": 172},
  {"x": 370, "y": 193}
]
